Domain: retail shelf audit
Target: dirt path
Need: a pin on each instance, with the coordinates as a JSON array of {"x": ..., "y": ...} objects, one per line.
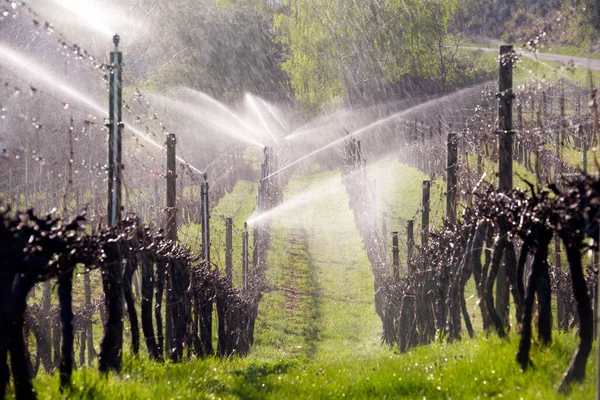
[{"x": 577, "y": 61}]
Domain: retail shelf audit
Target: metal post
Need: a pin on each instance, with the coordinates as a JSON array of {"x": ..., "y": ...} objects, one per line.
[
  {"x": 228, "y": 247},
  {"x": 245, "y": 257},
  {"x": 115, "y": 130},
  {"x": 171, "y": 230},
  {"x": 505, "y": 163},
  {"x": 205, "y": 221},
  {"x": 451, "y": 178},
  {"x": 395, "y": 257},
  {"x": 425, "y": 214}
]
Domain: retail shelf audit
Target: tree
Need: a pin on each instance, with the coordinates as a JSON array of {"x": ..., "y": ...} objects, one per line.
[
  {"x": 224, "y": 49},
  {"x": 349, "y": 51}
]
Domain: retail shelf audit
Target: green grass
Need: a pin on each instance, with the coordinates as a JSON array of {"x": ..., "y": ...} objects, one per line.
[
  {"x": 317, "y": 251},
  {"x": 470, "y": 369}
]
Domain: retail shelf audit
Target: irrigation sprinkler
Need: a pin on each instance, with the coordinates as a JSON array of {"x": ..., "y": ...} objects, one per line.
[
  {"x": 205, "y": 221},
  {"x": 115, "y": 130}
]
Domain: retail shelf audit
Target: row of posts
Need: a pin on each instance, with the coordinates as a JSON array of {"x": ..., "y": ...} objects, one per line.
[
  {"x": 115, "y": 168},
  {"x": 505, "y": 133},
  {"x": 410, "y": 228}
]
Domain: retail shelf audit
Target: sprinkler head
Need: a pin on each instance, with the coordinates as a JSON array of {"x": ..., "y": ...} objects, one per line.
[
  {"x": 116, "y": 39},
  {"x": 205, "y": 175}
]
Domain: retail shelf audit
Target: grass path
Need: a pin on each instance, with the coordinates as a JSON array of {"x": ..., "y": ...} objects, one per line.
[{"x": 320, "y": 303}]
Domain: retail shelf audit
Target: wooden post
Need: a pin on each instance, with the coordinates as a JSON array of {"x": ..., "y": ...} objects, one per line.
[
  {"x": 205, "y": 222},
  {"x": 505, "y": 164},
  {"x": 425, "y": 214},
  {"x": 395, "y": 257},
  {"x": 171, "y": 232},
  {"x": 171, "y": 228},
  {"x": 245, "y": 257},
  {"x": 585, "y": 140},
  {"x": 451, "y": 177},
  {"x": 560, "y": 138},
  {"x": 229, "y": 248},
  {"x": 505, "y": 127},
  {"x": 115, "y": 133},
  {"x": 544, "y": 105},
  {"x": 410, "y": 242}
]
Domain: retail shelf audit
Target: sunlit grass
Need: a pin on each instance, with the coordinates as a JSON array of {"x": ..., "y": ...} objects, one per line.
[{"x": 469, "y": 369}]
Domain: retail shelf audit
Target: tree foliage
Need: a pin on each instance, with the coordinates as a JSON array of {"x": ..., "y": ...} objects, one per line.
[
  {"x": 356, "y": 51},
  {"x": 225, "y": 48}
]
